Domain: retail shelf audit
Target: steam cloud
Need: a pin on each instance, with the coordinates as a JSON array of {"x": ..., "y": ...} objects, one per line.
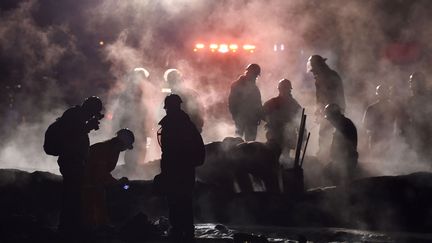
[{"x": 53, "y": 54}]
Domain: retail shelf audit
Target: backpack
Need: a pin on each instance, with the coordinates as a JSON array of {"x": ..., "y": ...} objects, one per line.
[
  {"x": 54, "y": 136},
  {"x": 193, "y": 144},
  {"x": 196, "y": 146}
]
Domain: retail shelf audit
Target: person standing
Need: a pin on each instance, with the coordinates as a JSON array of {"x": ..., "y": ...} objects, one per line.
[
  {"x": 245, "y": 103},
  {"x": 191, "y": 99},
  {"x": 282, "y": 114},
  {"x": 379, "y": 120},
  {"x": 329, "y": 90},
  {"x": 182, "y": 150},
  {"x": 75, "y": 123}
]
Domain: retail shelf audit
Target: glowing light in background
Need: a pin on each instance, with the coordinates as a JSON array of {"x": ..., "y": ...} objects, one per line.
[
  {"x": 248, "y": 47},
  {"x": 223, "y": 48},
  {"x": 101, "y": 43},
  {"x": 199, "y": 46},
  {"x": 109, "y": 116},
  {"x": 233, "y": 47},
  {"x": 213, "y": 47}
]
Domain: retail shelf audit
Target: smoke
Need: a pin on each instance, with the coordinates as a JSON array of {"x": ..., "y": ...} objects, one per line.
[{"x": 59, "y": 52}]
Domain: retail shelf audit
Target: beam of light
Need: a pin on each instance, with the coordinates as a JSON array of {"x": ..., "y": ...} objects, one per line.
[{"x": 223, "y": 48}]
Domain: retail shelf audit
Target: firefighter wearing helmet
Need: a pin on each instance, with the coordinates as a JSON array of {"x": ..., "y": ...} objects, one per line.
[
  {"x": 379, "y": 120},
  {"x": 245, "y": 103},
  {"x": 132, "y": 108},
  {"x": 100, "y": 163},
  {"x": 415, "y": 116},
  {"x": 191, "y": 102},
  {"x": 282, "y": 114},
  {"x": 329, "y": 90},
  {"x": 343, "y": 149},
  {"x": 75, "y": 124},
  {"x": 182, "y": 150}
]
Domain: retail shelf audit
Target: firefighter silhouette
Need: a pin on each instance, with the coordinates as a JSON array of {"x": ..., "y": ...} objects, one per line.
[
  {"x": 182, "y": 150},
  {"x": 102, "y": 159},
  {"x": 191, "y": 103},
  {"x": 343, "y": 150},
  {"x": 77, "y": 122},
  {"x": 282, "y": 116},
  {"x": 245, "y": 103},
  {"x": 329, "y": 90}
]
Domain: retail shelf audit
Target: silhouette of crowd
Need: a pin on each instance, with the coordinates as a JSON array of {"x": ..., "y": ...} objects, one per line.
[{"x": 86, "y": 169}]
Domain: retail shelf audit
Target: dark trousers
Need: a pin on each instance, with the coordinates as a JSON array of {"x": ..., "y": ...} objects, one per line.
[
  {"x": 248, "y": 129},
  {"x": 324, "y": 139},
  {"x": 181, "y": 215},
  {"x": 71, "y": 213}
]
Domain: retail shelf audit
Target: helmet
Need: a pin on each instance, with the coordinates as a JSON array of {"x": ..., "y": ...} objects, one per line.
[
  {"x": 139, "y": 74},
  {"x": 142, "y": 71},
  {"x": 418, "y": 81},
  {"x": 172, "y": 100},
  {"x": 417, "y": 76},
  {"x": 331, "y": 110},
  {"x": 284, "y": 84},
  {"x": 93, "y": 105},
  {"x": 254, "y": 68},
  {"x": 315, "y": 60},
  {"x": 126, "y": 137},
  {"x": 172, "y": 75},
  {"x": 382, "y": 90}
]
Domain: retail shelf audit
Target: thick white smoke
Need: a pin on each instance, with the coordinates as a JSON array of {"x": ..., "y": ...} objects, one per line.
[{"x": 93, "y": 50}]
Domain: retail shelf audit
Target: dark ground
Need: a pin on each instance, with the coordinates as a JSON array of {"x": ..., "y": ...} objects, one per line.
[{"x": 30, "y": 203}]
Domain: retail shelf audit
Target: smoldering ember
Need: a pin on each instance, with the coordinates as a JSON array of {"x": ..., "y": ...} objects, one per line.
[{"x": 215, "y": 121}]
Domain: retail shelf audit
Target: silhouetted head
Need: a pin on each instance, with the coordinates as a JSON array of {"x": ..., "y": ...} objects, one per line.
[
  {"x": 92, "y": 106},
  {"x": 417, "y": 83},
  {"x": 332, "y": 112},
  {"x": 172, "y": 102},
  {"x": 382, "y": 91},
  {"x": 315, "y": 63},
  {"x": 173, "y": 77},
  {"x": 126, "y": 138},
  {"x": 253, "y": 70},
  {"x": 284, "y": 87}
]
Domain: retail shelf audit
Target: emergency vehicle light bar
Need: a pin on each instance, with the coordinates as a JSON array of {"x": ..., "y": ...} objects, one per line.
[{"x": 223, "y": 47}]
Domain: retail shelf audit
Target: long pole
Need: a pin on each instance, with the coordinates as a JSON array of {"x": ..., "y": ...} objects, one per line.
[
  {"x": 300, "y": 140},
  {"x": 304, "y": 150}
]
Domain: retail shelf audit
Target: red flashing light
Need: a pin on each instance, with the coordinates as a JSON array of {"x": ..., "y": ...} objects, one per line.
[
  {"x": 233, "y": 47},
  {"x": 199, "y": 46},
  {"x": 224, "y": 48},
  {"x": 248, "y": 47}
]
